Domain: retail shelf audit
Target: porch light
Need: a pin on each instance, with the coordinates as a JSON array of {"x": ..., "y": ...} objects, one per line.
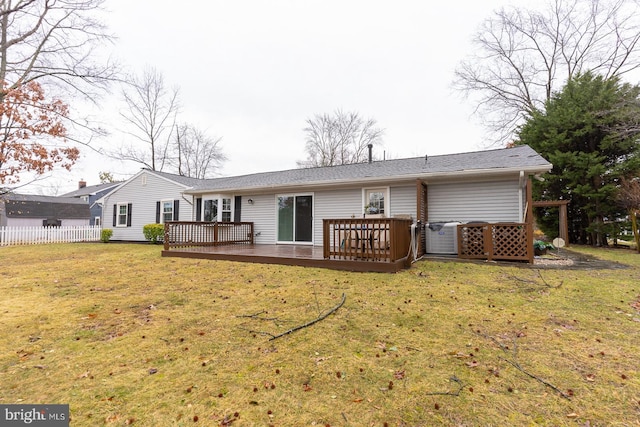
[{"x": 250, "y": 201}]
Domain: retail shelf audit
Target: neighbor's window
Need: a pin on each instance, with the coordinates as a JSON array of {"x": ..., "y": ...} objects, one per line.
[
  {"x": 97, "y": 220},
  {"x": 122, "y": 215},
  {"x": 375, "y": 201},
  {"x": 226, "y": 210}
]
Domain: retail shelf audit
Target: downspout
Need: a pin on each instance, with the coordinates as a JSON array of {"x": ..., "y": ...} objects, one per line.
[{"x": 520, "y": 207}]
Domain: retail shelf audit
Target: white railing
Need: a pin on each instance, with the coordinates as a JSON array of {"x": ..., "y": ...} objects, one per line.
[{"x": 37, "y": 235}]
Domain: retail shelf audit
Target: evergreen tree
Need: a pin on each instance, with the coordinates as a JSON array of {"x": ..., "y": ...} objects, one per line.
[{"x": 588, "y": 132}]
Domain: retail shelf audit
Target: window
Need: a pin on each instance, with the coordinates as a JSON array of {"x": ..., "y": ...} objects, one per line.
[
  {"x": 167, "y": 210},
  {"x": 375, "y": 201},
  {"x": 210, "y": 210},
  {"x": 97, "y": 221},
  {"x": 122, "y": 215},
  {"x": 226, "y": 210},
  {"x": 218, "y": 209}
]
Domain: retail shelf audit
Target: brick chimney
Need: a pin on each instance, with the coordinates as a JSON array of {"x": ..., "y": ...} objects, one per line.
[{"x": 82, "y": 183}]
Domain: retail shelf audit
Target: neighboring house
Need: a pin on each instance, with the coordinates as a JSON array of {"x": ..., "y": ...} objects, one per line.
[
  {"x": 289, "y": 206},
  {"x": 146, "y": 198},
  {"x": 26, "y": 210},
  {"x": 91, "y": 194}
]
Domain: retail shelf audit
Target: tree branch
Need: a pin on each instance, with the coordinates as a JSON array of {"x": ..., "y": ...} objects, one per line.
[
  {"x": 450, "y": 393},
  {"x": 514, "y": 362},
  {"x": 314, "y": 321}
]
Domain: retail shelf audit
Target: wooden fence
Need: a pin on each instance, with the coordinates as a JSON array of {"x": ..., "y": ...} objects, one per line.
[{"x": 10, "y": 236}]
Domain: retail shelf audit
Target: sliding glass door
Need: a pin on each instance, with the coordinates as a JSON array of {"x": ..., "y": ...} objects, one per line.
[{"x": 295, "y": 219}]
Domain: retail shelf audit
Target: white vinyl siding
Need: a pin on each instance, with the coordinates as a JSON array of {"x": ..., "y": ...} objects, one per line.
[
  {"x": 402, "y": 201},
  {"x": 491, "y": 201},
  {"x": 263, "y": 215},
  {"x": 335, "y": 204}
]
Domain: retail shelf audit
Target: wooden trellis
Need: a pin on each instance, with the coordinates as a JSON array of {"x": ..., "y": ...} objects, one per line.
[{"x": 502, "y": 241}]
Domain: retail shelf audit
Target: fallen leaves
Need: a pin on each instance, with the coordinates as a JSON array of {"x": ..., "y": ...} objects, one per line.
[{"x": 399, "y": 375}]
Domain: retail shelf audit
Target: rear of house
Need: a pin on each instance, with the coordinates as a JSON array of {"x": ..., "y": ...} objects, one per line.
[
  {"x": 438, "y": 194},
  {"x": 289, "y": 207}
]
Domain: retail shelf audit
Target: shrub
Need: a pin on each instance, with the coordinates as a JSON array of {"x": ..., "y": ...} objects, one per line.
[
  {"x": 540, "y": 247},
  {"x": 105, "y": 234},
  {"x": 153, "y": 232}
]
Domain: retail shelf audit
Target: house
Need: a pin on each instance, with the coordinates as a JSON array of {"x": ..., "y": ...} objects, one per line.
[
  {"x": 292, "y": 206},
  {"x": 26, "y": 210},
  {"x": 146, "y": 198},
  {"x": 91, "y": 194}
]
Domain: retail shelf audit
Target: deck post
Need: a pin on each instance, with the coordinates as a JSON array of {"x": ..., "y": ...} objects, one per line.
[{"x": 166, "y": 236}]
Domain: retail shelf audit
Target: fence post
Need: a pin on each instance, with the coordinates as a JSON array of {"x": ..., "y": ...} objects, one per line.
[{"x": 488, "y": 241}]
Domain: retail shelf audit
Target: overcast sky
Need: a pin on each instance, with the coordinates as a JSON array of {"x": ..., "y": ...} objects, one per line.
[{"x": 253, "y": 71}]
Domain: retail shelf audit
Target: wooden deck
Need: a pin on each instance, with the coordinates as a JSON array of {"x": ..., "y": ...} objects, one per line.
[{"x": 298, "y": 255}]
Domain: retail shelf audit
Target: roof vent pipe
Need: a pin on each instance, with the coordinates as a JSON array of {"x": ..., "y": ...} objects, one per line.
[{"x": 370, "y": 152}]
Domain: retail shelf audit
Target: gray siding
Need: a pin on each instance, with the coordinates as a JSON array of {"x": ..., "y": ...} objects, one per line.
[
  {"x": 143, "y": 199},
  {"x": 492, "y": 201},
  {"x": 263, "y": 215},
  {"x": 403, "y": 201},
  {"x": 344, "y": 203}
]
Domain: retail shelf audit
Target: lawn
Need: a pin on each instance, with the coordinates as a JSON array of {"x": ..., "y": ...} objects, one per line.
[{"x": 126, "y": 337}]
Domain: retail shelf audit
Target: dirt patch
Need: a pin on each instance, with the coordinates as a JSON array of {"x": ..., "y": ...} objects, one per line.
[
  {"x": 557, "y": 259},
  {"x": 567, "y": 259}
]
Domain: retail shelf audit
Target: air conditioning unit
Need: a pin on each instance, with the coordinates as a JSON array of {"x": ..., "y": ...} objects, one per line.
[{"x": 441, "y": 238}]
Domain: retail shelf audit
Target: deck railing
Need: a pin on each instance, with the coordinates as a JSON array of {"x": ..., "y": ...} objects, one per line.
[
  {"x": 366, "y": 239},
  {"x": 499, "y": 241},
  {"x": 184, "y": 234}
]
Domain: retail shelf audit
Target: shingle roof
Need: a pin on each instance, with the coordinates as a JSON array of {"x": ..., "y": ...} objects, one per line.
[
  {"x": 91, "y": 189},
  {"x": 512, "y": 159},
  {"x": 516, "y": 158},
  {"x": 32, "y": 206}
]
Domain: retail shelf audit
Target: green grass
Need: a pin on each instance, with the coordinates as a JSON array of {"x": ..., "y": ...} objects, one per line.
[{"x": 127, "y": 337}]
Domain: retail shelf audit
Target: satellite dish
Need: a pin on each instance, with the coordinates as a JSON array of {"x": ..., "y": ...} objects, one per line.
[{"x": 558, "y": 242}]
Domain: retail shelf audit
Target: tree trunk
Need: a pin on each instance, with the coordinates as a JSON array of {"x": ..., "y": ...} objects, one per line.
[{"x": 634, "y": 227}]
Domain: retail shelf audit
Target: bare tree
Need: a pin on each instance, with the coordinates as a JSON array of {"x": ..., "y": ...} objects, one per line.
[
  {"x": 339, "y": 139},
  {"x": 523, "y": 56},
  {"x": 52, "y": 41},
  {"x": 151, "y": 114},
  {"x": 48, "y": 46},
  {"x": 196, "y": 154}
]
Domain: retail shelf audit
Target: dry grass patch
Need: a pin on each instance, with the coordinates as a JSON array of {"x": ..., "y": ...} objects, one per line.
[{"x": 127, "y": 337}]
